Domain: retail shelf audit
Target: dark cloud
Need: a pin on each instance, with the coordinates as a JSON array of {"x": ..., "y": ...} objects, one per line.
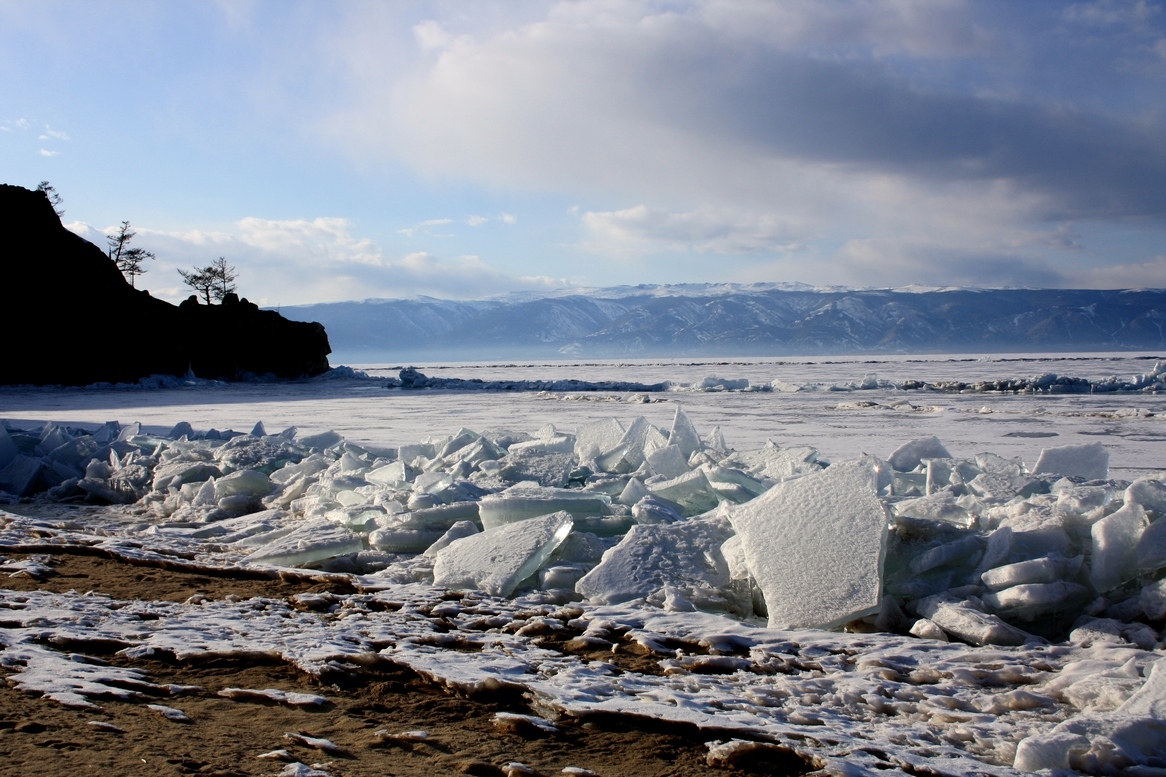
[{"x": 864, "y": 115}]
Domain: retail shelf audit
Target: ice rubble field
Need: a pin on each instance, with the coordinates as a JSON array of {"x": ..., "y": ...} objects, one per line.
[{"x": 1002, "y": 612}]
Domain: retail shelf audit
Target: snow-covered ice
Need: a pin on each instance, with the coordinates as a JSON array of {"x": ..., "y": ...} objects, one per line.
[{"x": 1003, "y": 615}]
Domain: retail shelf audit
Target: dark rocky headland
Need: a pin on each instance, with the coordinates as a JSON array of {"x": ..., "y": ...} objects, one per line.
[{"x": 70, "y": 318}]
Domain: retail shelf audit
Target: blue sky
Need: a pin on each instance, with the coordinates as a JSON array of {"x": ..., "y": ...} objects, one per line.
[{"x": 373, "y": 149}]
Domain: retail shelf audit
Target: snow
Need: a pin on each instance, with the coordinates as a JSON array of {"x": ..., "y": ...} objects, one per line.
[{"x": 1004, "y": 618}]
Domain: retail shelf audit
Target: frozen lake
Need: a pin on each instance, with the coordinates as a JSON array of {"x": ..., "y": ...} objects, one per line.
[
  {"x": 841, "y": 424},
  {"x": 890, "y": 695}
]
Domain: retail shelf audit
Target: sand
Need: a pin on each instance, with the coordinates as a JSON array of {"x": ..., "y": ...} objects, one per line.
[{"x": 365, "y": 710}]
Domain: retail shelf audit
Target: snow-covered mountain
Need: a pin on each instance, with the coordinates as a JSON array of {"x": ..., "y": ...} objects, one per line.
[{"x": 755, "y": 319}]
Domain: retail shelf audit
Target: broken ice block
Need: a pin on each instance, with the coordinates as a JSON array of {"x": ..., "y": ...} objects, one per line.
[
  {"x": 790, "y": 462},
  {"x": 497, "y": 560},
  {"x": 1115, "y": 543},
  {"x": 1149, "y": 493},
  {"x": 392, "y": 475},
  {"x": 596, "y": 438},
  {"x": 633, "y": 492},
  {"x": 683, "y": 434},
  {"x": 910, "y": 455},
  {"x": 8, "y": 449},
  {"x": 1039, "y": 570},
  {"x": 650, "y": 557},
  {"x": 1151, "y": 551},
  {"x": 668, "y": 461},
  {"x": 245, "y": 482},
  {"x": 958, "y": 553},
  {"x": 456, "y": 532},
  {"x": 628, "y": 453},
  {"x": 1090, "y": 461},
  {"x": 404, "y": 540},
  {"x": 313, "y": 540},
  {"x": 519, "y": 504},
  {"x": 1121, "y": 740},
  {"x": 322, "y": 440},
  {"x": 652, "y": 509},
  {"x": 551, "y": 469},
  {"x": 22, "y": 475},
  {"x": 815, "y": 546},
  {"x": 925, "y": 628},
  {"x": 962, "y": 620},
  {"x": 691, "y": 491},
  {"x": 940, "y": 507},
  {"x": 1030, "y": 600},
  {"x": 175, "y": 474},
  {"x": 1153, "y": 600},
  {"x": 555, "y": 444}
]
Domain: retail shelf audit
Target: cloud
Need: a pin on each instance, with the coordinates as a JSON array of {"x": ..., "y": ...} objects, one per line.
[
  {"x": 899, "y": 262},
  {"x": 430, "y": 35},
  {"x": 642, "y": 230},
  {"x": 743, "y": 127},
  {"x": 476, "y": 221},
  {"x": 50, "y": 133},
  {"x": 508, "y": 218},
  {"x": 46, "y": 152},
  {"x": 298, "y": 261},
  {"x": 425, "y": 228},
  {"x": 1138, "y": 275},
  {"x": 1105, "y": 13}
]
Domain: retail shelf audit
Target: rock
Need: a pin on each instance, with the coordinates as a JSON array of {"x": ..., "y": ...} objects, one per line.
[{"x": 226, "y": 341}]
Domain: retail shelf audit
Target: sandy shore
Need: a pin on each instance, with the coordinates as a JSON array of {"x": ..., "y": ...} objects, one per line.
[{"x": 365, "y": 710}]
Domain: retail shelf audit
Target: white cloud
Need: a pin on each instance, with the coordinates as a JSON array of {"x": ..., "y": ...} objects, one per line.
[
  {"x": 430, "y": 35},
  {"x": 757, "y": 128},
  {"x": 21, "y": 124},
  {"x": 46, "y": 152},
  {"x": 476, "y": 221},
  {"x": 425, "y": 228},
  {"x": 1136, "y": 275},
  {"x": 508, "y": 218},
  {"x": 644, "y": 230},
  {"x": 296, "y": 261},
  {"x": 50, "y": 133}
]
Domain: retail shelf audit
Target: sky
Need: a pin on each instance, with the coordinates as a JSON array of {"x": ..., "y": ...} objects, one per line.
[{"x": 334, "y": 151}]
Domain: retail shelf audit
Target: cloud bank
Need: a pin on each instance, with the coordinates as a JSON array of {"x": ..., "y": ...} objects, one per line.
[{"x": 847, "y": 135}]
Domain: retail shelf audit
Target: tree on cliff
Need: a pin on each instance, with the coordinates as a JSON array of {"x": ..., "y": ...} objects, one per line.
[
  {"x": 214, "y": 281},
  {"x": 54, "y": 197},
  {"x": 129, "y": 260}
]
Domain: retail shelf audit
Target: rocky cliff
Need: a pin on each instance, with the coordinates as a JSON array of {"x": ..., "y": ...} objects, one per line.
[{"x": 67, "y": 316}]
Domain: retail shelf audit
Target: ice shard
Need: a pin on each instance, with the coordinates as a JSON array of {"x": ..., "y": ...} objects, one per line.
[
  {"x": 1089, "y": 461},
  {"x": 497, "y": 560},
  {"x": 815, "y": 546}
]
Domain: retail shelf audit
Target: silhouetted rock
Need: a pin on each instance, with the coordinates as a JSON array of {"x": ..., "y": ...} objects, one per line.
[{"x": 69, "y": 317}]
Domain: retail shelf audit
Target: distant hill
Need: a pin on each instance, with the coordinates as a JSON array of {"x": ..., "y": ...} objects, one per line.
[{"x": 742, "y": 320}]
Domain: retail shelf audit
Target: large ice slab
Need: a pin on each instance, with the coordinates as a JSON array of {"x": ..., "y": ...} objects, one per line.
[
  {"x": 1090, "y": 461},
  {"x": 311, "y": 541},
  {"x": 910, "y": 455},
  {"x": 815, "y": 546},
  {"x": 520, "y": 503},
  {"x": 497, "y": 560},
  {"x": 1115, "y": 547},
  {"x": 684, "y": 555}
]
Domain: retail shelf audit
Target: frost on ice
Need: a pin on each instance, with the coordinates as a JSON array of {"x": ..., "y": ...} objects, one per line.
[
  {"x": 1054, "y": 573},
  {"x": 815, "y": 546}
]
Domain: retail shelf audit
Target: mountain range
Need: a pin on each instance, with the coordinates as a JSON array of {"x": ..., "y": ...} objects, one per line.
[{"x": 741, "y": 320}]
